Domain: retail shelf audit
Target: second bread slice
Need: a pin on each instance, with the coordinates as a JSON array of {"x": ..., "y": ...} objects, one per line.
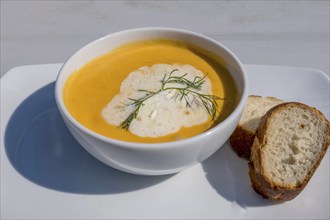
[{"x": 242, "y": 138}]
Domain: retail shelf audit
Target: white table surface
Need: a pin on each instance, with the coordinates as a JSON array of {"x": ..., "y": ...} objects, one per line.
[
  {"x": 289, "y": 33},
  {"x": 46, "y": 174}
]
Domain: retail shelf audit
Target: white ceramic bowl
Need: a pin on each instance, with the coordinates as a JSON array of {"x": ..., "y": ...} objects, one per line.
[{"x": 155, "y": 158}]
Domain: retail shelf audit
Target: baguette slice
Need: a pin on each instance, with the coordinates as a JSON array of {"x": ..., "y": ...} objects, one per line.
[
  {"x": 242, "y": 138},
  {"x": 291, "y": 140}
]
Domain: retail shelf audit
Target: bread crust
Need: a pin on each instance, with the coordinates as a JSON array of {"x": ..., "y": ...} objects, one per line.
[
  {"x": 264, "y": 188},
  {"x": 261, "y": 183},
  {"x": 241, "y": 141}
]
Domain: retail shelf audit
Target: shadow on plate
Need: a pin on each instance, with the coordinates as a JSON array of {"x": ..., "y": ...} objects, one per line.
[
  {"x": 228, "y": 174},
  {"x": 42, "y": 149}
]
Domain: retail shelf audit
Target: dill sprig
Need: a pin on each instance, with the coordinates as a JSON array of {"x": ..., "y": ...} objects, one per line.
[
  {"x": 137, "y": 103},
  {"x": 186, "y": 87}
]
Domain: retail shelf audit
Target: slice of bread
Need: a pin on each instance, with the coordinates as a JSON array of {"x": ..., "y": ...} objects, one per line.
[
  {"x": 242, "y": 138},
  {"x": 291, "y": 140}
]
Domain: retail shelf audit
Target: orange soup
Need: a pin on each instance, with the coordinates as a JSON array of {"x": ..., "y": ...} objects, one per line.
[{"x": 104, "y": 96}]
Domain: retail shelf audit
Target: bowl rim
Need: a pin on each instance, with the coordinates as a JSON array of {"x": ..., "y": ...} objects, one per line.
[{"x": 146, "y": 146}]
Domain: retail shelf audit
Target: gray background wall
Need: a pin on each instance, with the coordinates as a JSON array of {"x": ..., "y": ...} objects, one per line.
[{"x": 290, "y": 33}]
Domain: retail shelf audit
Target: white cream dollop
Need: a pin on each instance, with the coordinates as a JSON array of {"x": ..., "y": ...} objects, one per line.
[{"x": 163, "y": 113}]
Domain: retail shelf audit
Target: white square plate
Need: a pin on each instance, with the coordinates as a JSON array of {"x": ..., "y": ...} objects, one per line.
[{"x": 46, "y": 174}]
